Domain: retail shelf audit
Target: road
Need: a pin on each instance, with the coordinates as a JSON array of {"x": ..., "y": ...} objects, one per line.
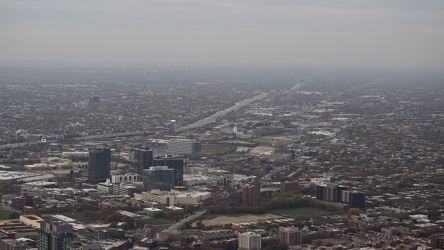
[
  {"x": 180, "y": 224},
  {"x": 85, "y": 138},
  {"x": 222, "y": 113}
]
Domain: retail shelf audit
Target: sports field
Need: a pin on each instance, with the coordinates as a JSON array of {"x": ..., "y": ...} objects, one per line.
[
  {"x": 303, "y": 212},
  {"x": 225, "y": 219}
]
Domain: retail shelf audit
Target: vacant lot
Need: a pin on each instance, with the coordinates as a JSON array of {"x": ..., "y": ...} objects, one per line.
[
  {"x": 303, "y": 212},
  {"x": 224, "y": 219}
]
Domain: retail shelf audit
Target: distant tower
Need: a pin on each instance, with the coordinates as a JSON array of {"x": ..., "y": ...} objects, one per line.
[
  {"x": 159, "y": 177},
  {"x": 94, "y": 99},
  {"x": 143, "y": 159},
  {"x": 173, "y": 163},
  {"x": 249, "y": 241},
  {"x": 99, "y": 167}
]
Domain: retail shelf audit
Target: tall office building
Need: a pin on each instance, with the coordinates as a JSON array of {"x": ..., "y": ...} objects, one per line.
[
  {"x": 249, "y": 241},
  {"x": 184, "y": 146},
  {"x": 173, "y": 163},
  {"x": 251, "y": 194},
  {"x": 54, "y": 235},
  {"x": 159, "y": 177},
  {"x": 99, "y": 167},
  {"x": 94, "y": 99},
  {"x": 143, "y": 159},
  {"x": 290, "y": 236}
]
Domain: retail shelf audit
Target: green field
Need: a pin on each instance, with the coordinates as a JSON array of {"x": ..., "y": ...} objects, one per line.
[
  {"x": 159, "y": 221},
  {"x": 4, "y": 214},
  {"x": 303, "y": 212}
]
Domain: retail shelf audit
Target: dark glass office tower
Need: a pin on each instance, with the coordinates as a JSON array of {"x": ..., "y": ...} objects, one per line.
[
  {"x": 143, "y": 159},
  {"x": 174, "y": 163},
  {"x": 159, "y": 177},
  {"x": 99, "y": 168}
]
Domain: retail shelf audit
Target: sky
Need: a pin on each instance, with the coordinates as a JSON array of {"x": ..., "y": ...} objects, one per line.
[{"x": 324, "y": 33}]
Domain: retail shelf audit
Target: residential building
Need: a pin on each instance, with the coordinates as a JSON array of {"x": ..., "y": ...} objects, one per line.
[
  {"x": 353, "y": 198},
  {"x": 249, "y": 241},
  {"x": 54, "y": 235},
  {"x": 290, "y": 236},
  {"x": 12, "y": 244},
  {"x": 251, "y": 194}
]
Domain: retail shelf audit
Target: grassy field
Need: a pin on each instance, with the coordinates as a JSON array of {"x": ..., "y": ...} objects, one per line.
[
  {"x": 4, "y": 214},
  {"x": 159, "y": 221},
  {"x": 161, "y": 228},
  {"x": 227, "y": 219},
  {"x": 303, "y": 212}
]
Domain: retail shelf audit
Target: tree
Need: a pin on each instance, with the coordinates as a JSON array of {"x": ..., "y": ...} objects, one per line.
[
  {"x": 354, "y": 211},
  {"x": 14, "y": 215},
  {"x": 130, "y": 221}
]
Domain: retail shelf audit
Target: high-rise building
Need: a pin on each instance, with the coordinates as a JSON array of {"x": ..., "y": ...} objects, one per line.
[
  {"x": 99, "y": 167},
  {"x": 94, "y": 99},
  {"x": 249, "y": 241},
  {"x": 54, "y": 235},
  {"x": 320, "y": 190},
  {"x": 335, "y": 193},
  {"x": 158, "y": 177},
  {"x": 330, "y": 192},
  {"x": 184, "y": 146},
  {"x": 290, "y": 236},
  {"x": 173, "y": 163},
  {"x": 143, "y": 159},
  {"x": 353, "y": 198},
  {"x": 251, "y": 194}
]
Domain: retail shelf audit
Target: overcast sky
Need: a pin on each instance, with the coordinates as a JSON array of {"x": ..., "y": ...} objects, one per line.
[{"x": 341, "y": 33}]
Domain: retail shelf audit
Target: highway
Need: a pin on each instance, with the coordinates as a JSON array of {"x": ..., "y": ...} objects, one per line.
[
  {"x": 180, "y": 224},
  {"x": 95, "y": 137},
  {"x": 222, "y": 113},
  {"x": 17, "y": 145},
  {"x": 85, "y": 138},
  {"x": 198, "y": 124}
]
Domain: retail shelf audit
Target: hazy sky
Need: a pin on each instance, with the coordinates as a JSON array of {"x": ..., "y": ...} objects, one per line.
[{"x": 343, "y": 33}]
